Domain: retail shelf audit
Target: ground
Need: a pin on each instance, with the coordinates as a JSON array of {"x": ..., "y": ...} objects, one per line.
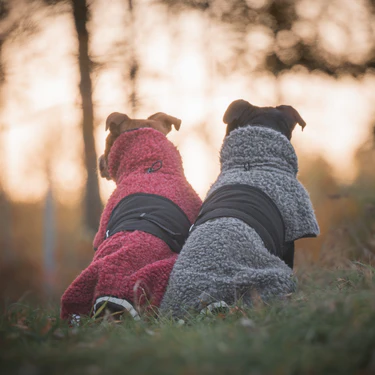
[{"x": 327, "y": 327}]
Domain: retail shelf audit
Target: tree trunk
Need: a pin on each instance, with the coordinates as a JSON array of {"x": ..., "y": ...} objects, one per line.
[
  {"x": 5, "y": 206},
  {"x": 134, "y": 66},
  {"x": 49, "y": 243},
  {"x": 92, "y": 202}
]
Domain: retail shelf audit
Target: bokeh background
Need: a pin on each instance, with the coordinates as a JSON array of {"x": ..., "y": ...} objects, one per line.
[{"x": 66, "y": 65}]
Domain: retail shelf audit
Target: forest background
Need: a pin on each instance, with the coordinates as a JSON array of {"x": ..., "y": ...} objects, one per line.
[{"x": 66, "y": 65}]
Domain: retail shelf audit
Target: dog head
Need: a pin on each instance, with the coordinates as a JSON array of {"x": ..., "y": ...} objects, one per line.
[
  {"x": 282, "y": 118},
  {"x": 118, "y": 123}
]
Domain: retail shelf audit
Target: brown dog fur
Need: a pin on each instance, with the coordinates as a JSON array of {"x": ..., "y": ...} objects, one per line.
[{"x": 118, "y": 123}]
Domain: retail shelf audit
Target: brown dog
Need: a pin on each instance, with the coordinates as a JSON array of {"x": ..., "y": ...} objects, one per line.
[
  {"x": 118, "y": 123},
  {"x": 144, "y": 223}
]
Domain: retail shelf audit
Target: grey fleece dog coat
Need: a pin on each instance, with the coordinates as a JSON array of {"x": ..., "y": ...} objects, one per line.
[{"x": 225, "y": 259}]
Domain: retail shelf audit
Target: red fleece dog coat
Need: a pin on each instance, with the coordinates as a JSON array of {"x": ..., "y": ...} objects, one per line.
[{"x": 132, "y": 268}]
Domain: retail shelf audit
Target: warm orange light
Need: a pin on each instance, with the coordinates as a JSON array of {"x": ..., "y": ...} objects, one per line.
[{"x": 176, "y": 76}]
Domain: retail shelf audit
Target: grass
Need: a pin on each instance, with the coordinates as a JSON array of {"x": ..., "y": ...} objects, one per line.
[{"x": 327, "y": 327}]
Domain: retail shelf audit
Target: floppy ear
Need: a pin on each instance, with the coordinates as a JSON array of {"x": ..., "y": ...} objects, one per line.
[
  {"x": 292, "y": 115},
  {"x": 166, "y": 120},
  {"x": 235, "y": 110},
  {"x": 114, "y": 122},
  {"x": 236, "y": 113}
]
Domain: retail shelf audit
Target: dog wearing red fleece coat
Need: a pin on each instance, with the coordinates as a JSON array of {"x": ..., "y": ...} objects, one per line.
[{"x": 130, "y": 269}]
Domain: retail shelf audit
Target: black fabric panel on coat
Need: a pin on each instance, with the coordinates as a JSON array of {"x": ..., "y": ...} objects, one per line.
[
  {"x": 152, "y": 214},
  {"x": 288, "y": 254},
  {"x": 252, "y": 206}
]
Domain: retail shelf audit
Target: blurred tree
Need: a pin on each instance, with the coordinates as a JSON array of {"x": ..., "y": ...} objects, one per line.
[
  {"x": 133, "y": 64},
  {"x": 315, "y": 34},
  {"x": 16, "y": 22},
  {"x": 93, "y": 205},
  {"x": 4, "y": 10},
  {"x": 92, "y": 202},
  {"x": 334, "y": 37},
  {"x": 5, "y": 215},
  {"x": 126, "y": 56},
  {"x": 279, "y": 35},
  {"x": 49, "y": 242},
  {"x": 363, "y": 190}
]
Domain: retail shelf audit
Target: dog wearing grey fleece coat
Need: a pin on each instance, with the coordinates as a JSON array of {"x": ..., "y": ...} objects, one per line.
[{"x": 224, "y": 260}]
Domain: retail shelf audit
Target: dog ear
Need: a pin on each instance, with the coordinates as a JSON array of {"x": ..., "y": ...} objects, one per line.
[
  {"x": 292, "y": 115},
  {"x": 166, "y": 120},
  {"x": 115, "y": 121},
  {"x": 103, "y": 167},
  {"x": 234, "y": 115},
  {"x": 235, "y": 111}
]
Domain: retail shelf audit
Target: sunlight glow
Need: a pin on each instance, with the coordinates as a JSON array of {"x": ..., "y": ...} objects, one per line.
[
  {"x": 177, "y": 76},
  {"x": 196, "y": 164}
]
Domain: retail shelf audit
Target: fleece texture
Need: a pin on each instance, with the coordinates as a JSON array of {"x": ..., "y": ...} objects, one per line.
[
  {"x": 224, "y": 259},
  {"x": 134, "y": 266}
]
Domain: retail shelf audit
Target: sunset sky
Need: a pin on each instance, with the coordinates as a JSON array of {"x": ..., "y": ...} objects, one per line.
[{"x": 41, "y": 111}]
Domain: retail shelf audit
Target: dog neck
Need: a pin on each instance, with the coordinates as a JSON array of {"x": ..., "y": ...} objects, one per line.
[
  {"x": 254, "y": 147},
  {"x": 144, "y": 150},
  {"x": 265, "y": 159}
]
